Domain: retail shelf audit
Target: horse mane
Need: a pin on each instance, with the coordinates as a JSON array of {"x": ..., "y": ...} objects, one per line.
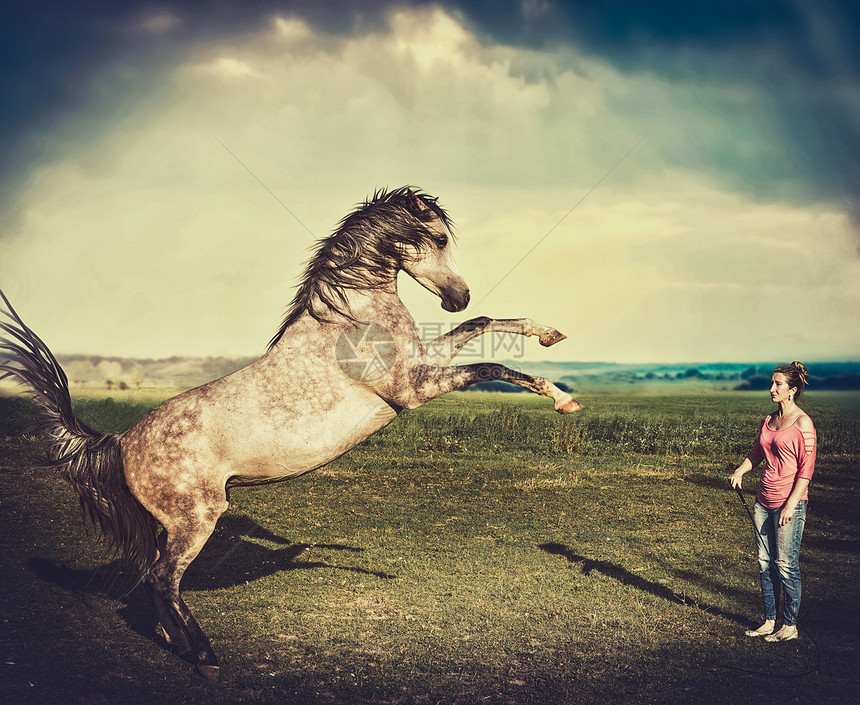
[{"x": 366, "y": 249}]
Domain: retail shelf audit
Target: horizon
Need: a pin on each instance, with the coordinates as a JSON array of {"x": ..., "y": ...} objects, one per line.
[
  {"x": 129, "y": 375},
  {"x": 651, "y": 363},
  {"x": 655, "y": 188}
]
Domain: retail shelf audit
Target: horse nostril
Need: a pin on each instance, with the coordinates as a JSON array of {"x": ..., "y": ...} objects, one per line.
[{"x": 466, "y": 298}]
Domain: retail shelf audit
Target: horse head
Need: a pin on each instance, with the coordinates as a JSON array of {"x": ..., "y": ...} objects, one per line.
[
  {"x": 401, "y": 229},
  {"x": 430, "y": 261}
]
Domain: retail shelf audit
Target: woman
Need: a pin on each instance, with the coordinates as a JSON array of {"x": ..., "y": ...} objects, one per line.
[{"x": 786, "y": 443}]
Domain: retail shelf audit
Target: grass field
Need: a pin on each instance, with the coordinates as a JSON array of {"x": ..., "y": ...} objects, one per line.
[{"x": 481, "y": 549}]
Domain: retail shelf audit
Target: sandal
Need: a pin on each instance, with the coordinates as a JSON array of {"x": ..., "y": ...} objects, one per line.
[
  {"x": 787, "y": 633},
  {"x": 764, "y": 630}
]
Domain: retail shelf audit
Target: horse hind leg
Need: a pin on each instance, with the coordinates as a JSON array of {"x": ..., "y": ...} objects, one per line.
[
  {"x": 182, "y": 541},
  {"x": 180, "y": 627},
  {"x": 172, "y": 630}
]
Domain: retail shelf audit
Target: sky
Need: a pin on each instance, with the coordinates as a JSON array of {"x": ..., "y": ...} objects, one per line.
[{"x": 662, "y": 181}]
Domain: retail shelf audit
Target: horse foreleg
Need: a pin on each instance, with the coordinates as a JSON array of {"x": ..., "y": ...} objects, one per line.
[
  {"x": 443, "y": 349},
  {"x": 427, "y": 382}
]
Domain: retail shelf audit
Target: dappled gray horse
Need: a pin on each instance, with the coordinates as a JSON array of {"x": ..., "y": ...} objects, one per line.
[{"x": 347, "y": 359}]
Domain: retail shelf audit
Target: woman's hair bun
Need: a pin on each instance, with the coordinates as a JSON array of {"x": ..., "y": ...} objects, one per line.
[
  {"x": 801, "y": 371},
  {"x": 796, "y": 374}
]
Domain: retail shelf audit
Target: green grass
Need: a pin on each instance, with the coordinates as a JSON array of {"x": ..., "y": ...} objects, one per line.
[{"x": 481, "y": 549}]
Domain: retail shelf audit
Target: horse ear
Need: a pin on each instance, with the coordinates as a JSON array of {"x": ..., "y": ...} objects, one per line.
[{"x": 416, "y": 205}]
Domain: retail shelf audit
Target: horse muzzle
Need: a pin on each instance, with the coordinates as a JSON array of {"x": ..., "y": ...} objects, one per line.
[{"x": 455, "y": 301}]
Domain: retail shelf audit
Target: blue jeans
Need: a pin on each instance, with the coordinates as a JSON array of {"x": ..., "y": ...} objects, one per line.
[{"x": 783, "y": 543}]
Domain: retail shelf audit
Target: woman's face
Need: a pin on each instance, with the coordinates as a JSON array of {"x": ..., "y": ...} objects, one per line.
[{"x": 779, "y": 389}]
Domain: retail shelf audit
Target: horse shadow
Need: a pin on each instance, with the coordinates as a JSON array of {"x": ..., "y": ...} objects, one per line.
[
  {"x": 233, "y": 556},
  {"x": 625, "y": 577}
]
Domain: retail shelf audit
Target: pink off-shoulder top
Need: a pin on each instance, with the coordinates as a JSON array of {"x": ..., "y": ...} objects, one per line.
[{"x": 789, "y": 454}]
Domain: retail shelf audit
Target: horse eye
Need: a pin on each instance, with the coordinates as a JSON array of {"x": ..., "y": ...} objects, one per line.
[{"x": 441, "y": 241}]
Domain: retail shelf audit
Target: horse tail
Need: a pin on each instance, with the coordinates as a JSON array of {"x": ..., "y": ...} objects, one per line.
[{"x": 90, "y": 461}]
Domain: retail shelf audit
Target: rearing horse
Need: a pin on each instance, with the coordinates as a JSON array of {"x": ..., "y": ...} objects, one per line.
[{"x": 345, "y": 362}]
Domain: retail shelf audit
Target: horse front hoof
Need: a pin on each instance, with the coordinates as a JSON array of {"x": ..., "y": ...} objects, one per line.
[
  {"x": 568, "y": 405},
  {"x": 551, "y": 338}
]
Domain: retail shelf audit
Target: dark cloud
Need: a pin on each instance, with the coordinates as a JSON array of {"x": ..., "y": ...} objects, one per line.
[{"x": 800, "y": 55}]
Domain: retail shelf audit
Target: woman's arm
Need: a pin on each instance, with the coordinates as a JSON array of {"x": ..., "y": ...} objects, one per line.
[
  {"x": 748, "y": 464},
  {"x": 756, "y": 455},
  {"x": 805, "y": 468},
  {"x": 800, "y": 485}
]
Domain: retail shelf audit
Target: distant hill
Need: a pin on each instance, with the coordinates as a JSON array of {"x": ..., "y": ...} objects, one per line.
[
  {"x": 93, "y": 371},
  {"x": 728, "y": 376},
  {"x": 96, "y": 372}
]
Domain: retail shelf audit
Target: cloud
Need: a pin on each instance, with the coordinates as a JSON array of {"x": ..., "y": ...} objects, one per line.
[
  {"x": 158, "y": 22},
  {"x": 162, "y": 241},
  {"x": 796, "y": 58},
  {"x": 677, "y": 270}
]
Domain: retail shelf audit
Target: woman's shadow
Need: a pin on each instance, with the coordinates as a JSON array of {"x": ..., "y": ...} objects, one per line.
[
  {"x": 234, "y": 555},
  {"x": 625, "y": 577}
]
